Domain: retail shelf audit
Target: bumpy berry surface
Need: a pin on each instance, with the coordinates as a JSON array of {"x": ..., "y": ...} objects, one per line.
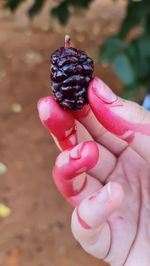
[{"x": 71, "y": 71}]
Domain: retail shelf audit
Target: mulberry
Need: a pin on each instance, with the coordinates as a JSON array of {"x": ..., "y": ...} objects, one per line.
[{"x": 71, "y": 71}]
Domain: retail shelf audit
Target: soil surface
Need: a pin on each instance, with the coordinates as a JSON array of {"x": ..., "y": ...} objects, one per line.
[{"x": 37, "y": 232}]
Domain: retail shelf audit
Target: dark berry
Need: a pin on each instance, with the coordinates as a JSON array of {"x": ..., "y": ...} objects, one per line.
[{"x": 71, "y": 71}]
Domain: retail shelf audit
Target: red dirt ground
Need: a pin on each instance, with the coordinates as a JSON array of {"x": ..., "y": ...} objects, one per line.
[{"x": 37, "y": 233}]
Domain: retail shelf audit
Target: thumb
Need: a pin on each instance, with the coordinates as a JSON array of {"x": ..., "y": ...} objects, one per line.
[
  {"x": 89, "y": 220},
  {"x": 128, "y": 120}
]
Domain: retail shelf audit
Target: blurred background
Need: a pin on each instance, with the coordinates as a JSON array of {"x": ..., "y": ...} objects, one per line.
[{"x": 34, "y": 218}]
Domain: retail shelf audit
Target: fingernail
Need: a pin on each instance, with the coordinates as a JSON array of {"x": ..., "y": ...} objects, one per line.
[
  {"x": 42, "y": 100},
  {"x": 105, "y": 193},
  {"x": 39, "y": 102},
  {"x": 44, "y": 109},
  {"x": 75, "y": 153},
  {"x": 102, "y": 91},
  {"x": 81, "y": 221}
]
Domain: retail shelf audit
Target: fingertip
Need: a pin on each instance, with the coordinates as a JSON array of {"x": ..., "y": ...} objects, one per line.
[
  {"x": 115, "y": 194},
  {"x": 117, "y": 191},
  {"x": 39, "y": 102},
  {"x": 69, "y": 172},
  {"x": 111, "y": 195},
  {"x": 112, "y": 191},
  {"x": 90, "y": 152},
  {"x": 60, "y": 124},
  {"x": 44, "y": 106},
  {"x": 101, "y": 91},
  {"x": 78, "y": 159},
  {"x": 103, "y": 103},
  {"x": 87, "y": 154},
  {"x": 97, "y": 208}
]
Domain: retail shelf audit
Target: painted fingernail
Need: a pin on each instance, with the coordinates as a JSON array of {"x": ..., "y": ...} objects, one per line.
[
  {"x": 105, "y": 193},
  {"x": 102, "y": 91},
  {"x": 38, "y": 103},
  {"x": 75, "y": 153},
  {"x": 43, "y": 108}
]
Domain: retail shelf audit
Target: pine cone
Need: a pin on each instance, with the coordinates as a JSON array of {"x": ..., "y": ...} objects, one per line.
[{"x": 71, "y": 71}]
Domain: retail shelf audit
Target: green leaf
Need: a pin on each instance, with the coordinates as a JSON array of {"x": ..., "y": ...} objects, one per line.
[
  {"x": 12, "y": 4},
  {"x": 110, "y": 48},
  {"x": 36, "y": 7},
  {"x": 61, "y": 12},
  {"x": 123, "y": 68}
]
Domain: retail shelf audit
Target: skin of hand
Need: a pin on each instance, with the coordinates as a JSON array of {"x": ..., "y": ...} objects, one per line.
[{"x": 103, "y": 170}]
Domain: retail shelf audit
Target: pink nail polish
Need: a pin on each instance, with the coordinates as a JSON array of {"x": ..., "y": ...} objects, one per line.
[{"x": 102, "y": 91}]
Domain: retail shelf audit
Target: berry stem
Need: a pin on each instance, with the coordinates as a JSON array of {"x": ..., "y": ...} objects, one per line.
[{"x": 67, "y": 41}]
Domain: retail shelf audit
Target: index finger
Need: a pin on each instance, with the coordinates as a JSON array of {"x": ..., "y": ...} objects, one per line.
[{"x": 62, "y": 125}]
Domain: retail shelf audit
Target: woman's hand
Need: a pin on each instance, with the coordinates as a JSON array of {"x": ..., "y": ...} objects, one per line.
[{"x": 104, "y": 171}]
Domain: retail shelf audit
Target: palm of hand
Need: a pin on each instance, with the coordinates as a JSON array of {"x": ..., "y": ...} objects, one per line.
[
  {"x": 129, "y": 225},
  {"x": 122, "y": 238}
]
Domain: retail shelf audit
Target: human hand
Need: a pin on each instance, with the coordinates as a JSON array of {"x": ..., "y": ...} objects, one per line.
[{"x": 107, "y": 175}]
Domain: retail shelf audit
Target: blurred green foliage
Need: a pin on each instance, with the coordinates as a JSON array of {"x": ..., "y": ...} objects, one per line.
[
  {"x": 62, "y": 10},
  {"x": 12, "y": 4},
  {"x": 129, "y": 57}
]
